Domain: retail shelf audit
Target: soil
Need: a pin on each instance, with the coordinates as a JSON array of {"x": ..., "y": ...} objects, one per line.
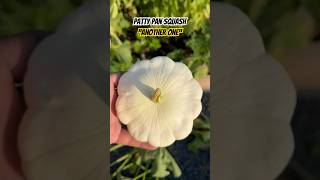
[{"x": 305, "y": 162}]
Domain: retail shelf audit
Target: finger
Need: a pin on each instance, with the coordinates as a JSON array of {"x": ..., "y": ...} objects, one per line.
[
  {"x": 11, "y": 111},
  {"x": 115, "y": 129},
  {"x": 114, "y": 79},
  {"x": 205, "y": 83},
  {"x": 15, "y": 51},
  {"x": 126, "y": 139}
]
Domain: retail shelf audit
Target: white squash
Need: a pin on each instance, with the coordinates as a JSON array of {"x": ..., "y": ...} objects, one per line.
[
  {"x": 63, "y": 132},
  {"x": 158, "y": 101},
  {"x": 253, "y": 102}
]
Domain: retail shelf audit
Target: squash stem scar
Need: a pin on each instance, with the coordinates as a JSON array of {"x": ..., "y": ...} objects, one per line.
[{"x": 156, "y": 96}]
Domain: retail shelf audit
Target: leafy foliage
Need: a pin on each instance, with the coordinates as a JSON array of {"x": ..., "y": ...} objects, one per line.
[
  {"x": 19, "y": 16},
  {"x": 192, "y": 48},
  {"x": 201, "y": 134},
  {"x": 138, "y": 164},
  {"x": 284, "y": 25}
]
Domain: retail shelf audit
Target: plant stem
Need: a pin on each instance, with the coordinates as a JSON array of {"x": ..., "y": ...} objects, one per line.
[
  {"x": 113, "y": 148},
  {"x": 205, "y": 116},
  {"x": 142, "y": 175},
  {"x": 127, "y": 166},
  {"x": 137, "y": 171},
  {"x": 120, "y": 159},
  {"x": 199, "y": 130},
  {"x": 121, "y": 166}
]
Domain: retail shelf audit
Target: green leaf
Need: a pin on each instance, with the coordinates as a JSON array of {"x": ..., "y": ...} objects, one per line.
[
  {"x": 137, "y": 47},
  {"x": 195, "y": 145},
  {"x": 123, "y": 53},
  {"x": 173, "y": 165},
  {"x": 201, "y": 71},
  {"x": 293, "y": 31},
  {"x": 256, "y": 8},
  {"x": 201, "y": 135},
  {"x": 113, "y": 10},
  {"x": 160, "y": 166},
  {"x": 176, "y": 54},
  {"x": 200, "y": 123},
  {"x": 154, "y": 44}
]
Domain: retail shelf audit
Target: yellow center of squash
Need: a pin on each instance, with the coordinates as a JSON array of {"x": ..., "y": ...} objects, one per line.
[{"x": 156, "y": 96}]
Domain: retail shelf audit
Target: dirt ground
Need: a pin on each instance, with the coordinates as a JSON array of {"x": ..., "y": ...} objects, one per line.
[{"x": 305, "y": 162}]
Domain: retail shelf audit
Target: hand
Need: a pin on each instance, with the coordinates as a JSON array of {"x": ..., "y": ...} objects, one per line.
[
  {"x": 14, "y": 52},
  {"x": 119, "y": 135}
]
